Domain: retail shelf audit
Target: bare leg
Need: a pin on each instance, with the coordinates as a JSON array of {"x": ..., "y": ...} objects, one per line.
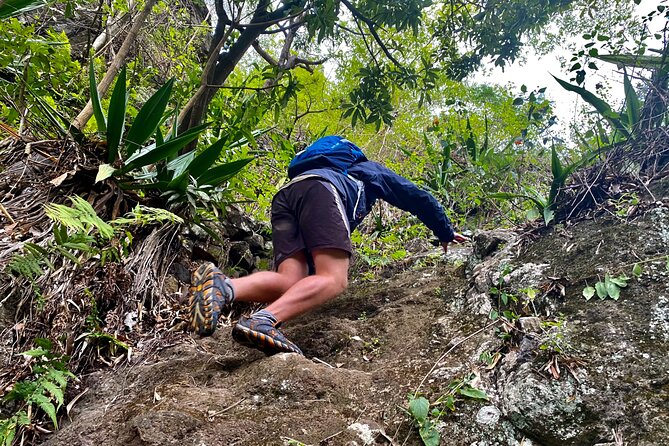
[
  {"x": 330, "y": 280},
  {"x": 268, "y": 286}
]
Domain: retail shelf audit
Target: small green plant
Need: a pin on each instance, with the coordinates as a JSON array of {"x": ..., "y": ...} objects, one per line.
[
  {"x": 625, "y": 203},
  {"x": 609, "y": 287},
  {"x": 546, "y": 205},
  {"x": 553, "y": 339},
  {"x": 427, "y": 420},
  {"x": 419, "y": 410},
  {"x": 43, "y": 390}
]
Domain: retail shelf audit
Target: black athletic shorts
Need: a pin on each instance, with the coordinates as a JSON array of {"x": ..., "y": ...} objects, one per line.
[{"x": 308, "y": 215}]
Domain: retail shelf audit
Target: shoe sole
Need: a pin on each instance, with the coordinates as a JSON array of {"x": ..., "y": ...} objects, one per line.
[
  {"x": 266, "y": 344},
  {"x": 206, "y": 300}
]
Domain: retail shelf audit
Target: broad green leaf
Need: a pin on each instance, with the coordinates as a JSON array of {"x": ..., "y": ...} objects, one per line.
[
  {"x": 612, "y": 288},
  {"x": 472, "y": 392},
  {"x": 449, "y": 402},
  {"x": 601, "y": 290},
  {"x": 206, "y": 158},
  {"x": 12, "y": 8},
  {"x": 556, "y": 166},
  {"x": 637, "y": 270},
  {"x": 600, "y": 105},
  {"x": 419, "y": 408},
  {"x": 430, "y": 435},
  {"x": 95, "y": 99},
  {"x": 179, "y": 183},
  {"x": 621, "y": 281},
  {"x": 224, "y": 172},
  {"x": 116, "y": 116},
  {"x": 104, "y": 172},
  {"x": 588, "y": 292},
  {"x": 148, "y": 118}
]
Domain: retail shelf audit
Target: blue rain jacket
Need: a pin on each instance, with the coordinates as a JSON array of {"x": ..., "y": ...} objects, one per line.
[{"x": 368, "y": 181}]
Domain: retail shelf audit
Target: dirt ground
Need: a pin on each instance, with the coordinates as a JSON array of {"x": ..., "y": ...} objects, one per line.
[{"x": 365, "y": 353}]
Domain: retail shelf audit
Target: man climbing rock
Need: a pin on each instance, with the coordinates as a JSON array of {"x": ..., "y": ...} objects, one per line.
[{"x": 333, "y": 187}]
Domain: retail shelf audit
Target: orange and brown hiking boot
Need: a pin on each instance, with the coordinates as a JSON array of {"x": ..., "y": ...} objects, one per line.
[
  {"x": 209, "y": 293},
  {"x": 263, "y": 335}
]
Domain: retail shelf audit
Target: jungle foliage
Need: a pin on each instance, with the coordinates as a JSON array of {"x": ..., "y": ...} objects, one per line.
[{"x": 192, "y": 114}]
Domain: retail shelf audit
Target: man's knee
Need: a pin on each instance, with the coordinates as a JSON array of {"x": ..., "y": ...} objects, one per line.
[{"x": 340, "y": 283}]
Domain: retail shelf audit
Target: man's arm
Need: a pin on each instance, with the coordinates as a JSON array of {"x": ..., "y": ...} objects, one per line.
[{"x": 404, "y": 194}]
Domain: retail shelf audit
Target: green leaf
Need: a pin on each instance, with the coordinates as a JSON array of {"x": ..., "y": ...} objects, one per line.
[
  {"x": 634, "y": 60},
  {"x": 637, "y": 270},
  {"x": 149, "y": 117},
  {"x": 47, "y": 406},
  {"x": 632, "y": 103},
  {"x": 601, "y": 106},
  {"x": 12, "y": 8},
  {"x": 472, "y": 392},
  {"x": 180, "y": 164},
  {"x": 419, "y": 408},
  {"x": 224, "y": 172},
  {"x": 55, "y": 391},
  {"x": 549, "y": 215},
  {"x": 602, "y": 293},
  {"x": 588, "y": 292},
  {"x": 164, "y": 151},
  {"x": 611, "y": 288},
  {"x": 621, "y": 281},
  {"x": 206, "y": 158},
  {"x": 116, "y": 116},
  {"x": 95, "y": 99},
  {"x": 36, "y": 352},
  {"x": 430, "y": 435},
  {"x": 104, "y": 172}
]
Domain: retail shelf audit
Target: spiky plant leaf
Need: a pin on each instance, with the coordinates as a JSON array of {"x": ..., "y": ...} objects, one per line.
[
  {"x": 206, "y": 158},
  {"x": 148, "y": 118},
  {"x": 164, "y": 151},
  {"x": 95, "y": 99},
  {"x": 224, "y": 172},
  {"x": 116, "y": 116},
  {"x": 632, "y": 103},
  {"x": 600, "y": 105}
]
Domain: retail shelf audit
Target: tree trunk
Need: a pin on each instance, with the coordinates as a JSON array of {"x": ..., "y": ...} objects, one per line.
[
  {"x": 85, "y": 114},
  {"x": 215, "y": 75}
]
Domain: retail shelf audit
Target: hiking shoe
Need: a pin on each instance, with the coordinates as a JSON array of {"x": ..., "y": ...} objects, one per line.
[
  {"x": 264, "y": 336},
  {"x": 209, "y": 293}
]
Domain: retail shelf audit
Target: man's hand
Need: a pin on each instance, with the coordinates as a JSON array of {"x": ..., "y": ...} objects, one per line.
[{"x": 459, "y": 238}]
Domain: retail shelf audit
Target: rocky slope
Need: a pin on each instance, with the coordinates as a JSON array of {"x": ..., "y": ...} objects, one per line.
[{"x": 559, "y": 370}]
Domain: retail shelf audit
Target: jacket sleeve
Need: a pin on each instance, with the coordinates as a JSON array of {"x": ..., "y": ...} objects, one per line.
[{"x": 402, "y": 193}]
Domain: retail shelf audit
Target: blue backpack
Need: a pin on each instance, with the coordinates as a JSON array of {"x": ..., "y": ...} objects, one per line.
[{"x": 331, "y": 152}]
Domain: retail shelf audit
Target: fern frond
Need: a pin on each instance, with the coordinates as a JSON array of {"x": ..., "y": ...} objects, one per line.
[
  {"x": 145, "y": 215},
  {"x": 81, "y": 217},
  {"x": 55, "y": 391}
]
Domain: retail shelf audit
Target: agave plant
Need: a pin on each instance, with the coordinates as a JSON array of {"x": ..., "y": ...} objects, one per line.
[
  {"x": 545, "y": 206},
  {"x": 158, "y": 165}
]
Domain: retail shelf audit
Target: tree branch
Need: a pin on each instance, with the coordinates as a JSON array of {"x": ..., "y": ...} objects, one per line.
[
  {"x": 85, "y": 114},
  {"x": 372, "y": 29}
]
